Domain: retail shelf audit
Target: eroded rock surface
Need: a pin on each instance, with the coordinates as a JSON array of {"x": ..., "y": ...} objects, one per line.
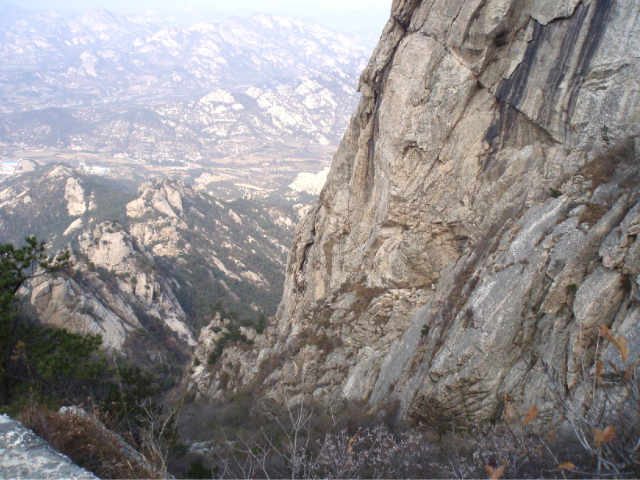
[
  {"x": 479, "y": 220},
  {"x": 74, "y": 195},
  {"x": 114, "y": 290},
  {"x": 209, "y": 382}
]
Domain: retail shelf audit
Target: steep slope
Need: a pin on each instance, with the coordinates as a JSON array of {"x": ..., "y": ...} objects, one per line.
[
  {"x": 232, "y": 252},
  {"x": 480, "y": 217},
  {"x": 115, "y": 290},
  {"x": 56, "y": 202},
  {"x": 151, "y": 267}
]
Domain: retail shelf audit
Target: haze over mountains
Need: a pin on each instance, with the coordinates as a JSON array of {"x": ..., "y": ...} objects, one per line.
[
  {"x": 366, "y": 17},
  {"x": 244, "y": 105}
]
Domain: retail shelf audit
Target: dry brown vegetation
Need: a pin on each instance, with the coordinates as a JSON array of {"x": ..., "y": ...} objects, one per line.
[
  {"x": 363, "y": 297},
  {"x": 593, "y": 213},
  {"x": 594, "y": 437},
  {"x": 84, "y": 439},
  {"x": 602, "y": 169}
]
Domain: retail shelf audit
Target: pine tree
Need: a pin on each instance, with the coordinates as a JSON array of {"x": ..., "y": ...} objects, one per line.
[{"x": 17, "y": 265}]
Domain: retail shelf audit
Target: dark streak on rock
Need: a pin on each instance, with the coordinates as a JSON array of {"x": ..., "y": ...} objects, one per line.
[
  {"x": 512, "y": 89},
  {"x": 371, "y": 170},
  {"x": 509, "y": 128},
  {"x": 597, "y": 27},
  {"x": 566, "y": 51}
]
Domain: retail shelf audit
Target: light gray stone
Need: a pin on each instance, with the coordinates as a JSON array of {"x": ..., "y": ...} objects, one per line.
[
  {"x": 438, "y": 210},
  {"x": 24, "y": 455},
  {"x": 104, "y": 304}
]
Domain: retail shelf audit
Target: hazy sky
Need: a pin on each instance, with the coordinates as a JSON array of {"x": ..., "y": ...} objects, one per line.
[
  {"x": 357, "y": 16},
  {"x": 128, "y": 6}
]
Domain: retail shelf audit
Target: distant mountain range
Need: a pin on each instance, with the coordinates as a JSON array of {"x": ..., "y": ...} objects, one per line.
[{"x": 102, "y": 81}]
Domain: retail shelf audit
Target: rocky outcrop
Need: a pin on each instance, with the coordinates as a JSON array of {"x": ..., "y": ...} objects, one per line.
[
  {"x": 146, "y": 281},
  {"x": 74, "y": 195},
  {"x": 114, "y": 290},
  {"x": 479, "y": 220},
  {"x": 210, "y": 378},
  {"x": 210, "y": 245},
  {"x": 156, "y": 216}
]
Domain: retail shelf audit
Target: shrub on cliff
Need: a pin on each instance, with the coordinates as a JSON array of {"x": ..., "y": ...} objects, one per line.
[{"x": 36, "y": 359}]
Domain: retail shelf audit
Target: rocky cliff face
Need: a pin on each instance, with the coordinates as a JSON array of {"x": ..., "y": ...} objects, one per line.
[
  {"x": 480, "y": 218},
  {"x": 217, "y": 251},
  {"x": 115, "y": 290}
]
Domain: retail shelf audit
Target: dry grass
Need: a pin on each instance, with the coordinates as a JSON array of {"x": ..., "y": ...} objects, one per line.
[
  {"x": 84, "y": 439},
  {"x": 324, "y": 342},
  {"x": 592, "y": 214},
  {"x": 364, "y": 296},
  {"x": 603, "y": 169}
]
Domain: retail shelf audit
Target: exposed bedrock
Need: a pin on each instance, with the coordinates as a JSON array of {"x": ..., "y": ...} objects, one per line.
[{"x": 480, "y": 218}]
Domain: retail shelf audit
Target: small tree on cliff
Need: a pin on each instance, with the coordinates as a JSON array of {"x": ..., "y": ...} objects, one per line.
[
  {"x": 16, "y": 266},
  {"x": 29, "y": 352}
]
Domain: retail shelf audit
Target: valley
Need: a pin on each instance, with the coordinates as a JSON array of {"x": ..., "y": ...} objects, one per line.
[
  {"x": 280, "y": 258},
  {"x": 239, "y": 106},
  {"x": 260, "y": 175},
  {"x": 198, "y": 145}
]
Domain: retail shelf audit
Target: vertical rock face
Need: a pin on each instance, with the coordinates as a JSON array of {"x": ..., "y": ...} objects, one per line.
[{"x": 480, "y": 217}]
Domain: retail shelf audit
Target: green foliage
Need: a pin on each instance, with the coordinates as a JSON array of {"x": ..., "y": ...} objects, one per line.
[
  {"x": 53, "y": 367},
  {"x": 232, "y": 335},
  {"x": 216, "y": 352},
  {"x": 53, "y": 363},
  {"x": 131, "y": 397},
  {"x": 202, "y": 282},
  {"x": 59, "y": 355},
  {"x": 109, "y": 278},
  {"x": 36, "y": 358},
  {"x": 131, "y": 404},
  {"x": 261, "y": 324},
  {"x": 198, "y": 470},
  {"x": 16, "y": 266},
  {"x": 425, "y": 330}
]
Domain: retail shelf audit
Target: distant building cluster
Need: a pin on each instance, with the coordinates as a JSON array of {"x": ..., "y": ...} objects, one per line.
[
  {"x": 203, "y": 178},
  {"x": 94, "y": 169},
  {"x": 9, "y": 168}
]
